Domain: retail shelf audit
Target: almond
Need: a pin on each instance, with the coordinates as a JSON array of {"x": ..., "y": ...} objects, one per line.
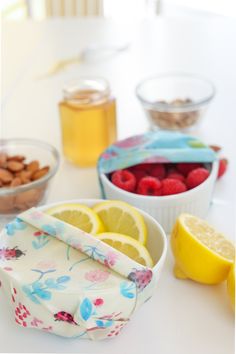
[
  {"x": 15, "y": 166},
  {"x": 25, "y": 176},
  {"x": 3, "y": 159},
  {"x": 18, "y": 158},
  {"x": 15, "y": 172},
  {"x": 33, "y": 166},
  {"x": 6, "y": 204},
  {"x": 28, "y": 198},
  {"x": 15, "y": 182},
  {"x": 40, "y": 173},
  {"x": 5, "y": 176}
]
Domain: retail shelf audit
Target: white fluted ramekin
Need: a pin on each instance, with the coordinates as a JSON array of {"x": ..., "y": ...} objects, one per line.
[{"x": 166, "y": 209}]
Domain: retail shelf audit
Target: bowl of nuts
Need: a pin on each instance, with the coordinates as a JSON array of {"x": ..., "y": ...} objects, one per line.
[
  {"x": 26, "y": 168},
  {"x": 175, "y": 101}
]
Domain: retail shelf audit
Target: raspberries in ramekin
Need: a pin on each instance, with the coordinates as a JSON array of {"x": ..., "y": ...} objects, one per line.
[{"x": 160, "y": 179}]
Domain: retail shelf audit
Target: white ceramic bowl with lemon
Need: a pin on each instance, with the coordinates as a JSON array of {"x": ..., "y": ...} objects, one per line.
[
  {"x": 150, "y": 246},
  {"x": 109, "y": 277},
  {"x": 166, "y": 209}
]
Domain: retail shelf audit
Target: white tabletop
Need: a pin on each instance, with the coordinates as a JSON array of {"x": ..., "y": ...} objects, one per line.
[{"x": 182, "y": 317}]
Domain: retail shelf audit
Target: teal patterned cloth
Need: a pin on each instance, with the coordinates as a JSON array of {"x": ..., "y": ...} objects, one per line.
[{"x": 151, "y": 147}]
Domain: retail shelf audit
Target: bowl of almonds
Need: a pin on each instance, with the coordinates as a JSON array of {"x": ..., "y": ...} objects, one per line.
[
  {"x": 175, "y": 101},
  {"x": 26, "y": 169}
]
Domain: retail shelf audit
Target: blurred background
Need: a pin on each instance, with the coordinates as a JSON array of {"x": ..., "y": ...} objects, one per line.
[{"x": 115, "y": 9}]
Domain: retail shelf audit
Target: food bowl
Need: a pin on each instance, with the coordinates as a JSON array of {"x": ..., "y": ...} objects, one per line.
[
  {"x": 67, "y": 291},
  {"x": 175, "y": 101},
  {"x": 19, "y": 198},
  {"x": 156, "y": 241},
  {"x": 165, "y": 209}
]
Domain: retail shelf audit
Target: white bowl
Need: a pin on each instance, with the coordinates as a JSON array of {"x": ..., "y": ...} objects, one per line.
[
  {"x": 76, "y": 299},
  {"x": 166, "y": 209},
  {"x": 156, "y": 241}
]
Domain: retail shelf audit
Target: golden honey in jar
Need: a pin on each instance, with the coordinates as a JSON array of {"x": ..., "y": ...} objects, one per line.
[{"x": 88, "y": 120}]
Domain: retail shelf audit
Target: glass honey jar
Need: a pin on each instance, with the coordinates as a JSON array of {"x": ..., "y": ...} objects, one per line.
[{"x": 88, "y": 120}]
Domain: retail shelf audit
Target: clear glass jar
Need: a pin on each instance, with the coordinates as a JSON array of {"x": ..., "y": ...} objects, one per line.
[{"x": 88, "y": 120}]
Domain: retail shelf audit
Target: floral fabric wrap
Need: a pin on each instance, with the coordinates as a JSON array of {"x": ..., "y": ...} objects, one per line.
[
  {"x": 155, "y": 146},
  {"x": 62, "y": 280}
]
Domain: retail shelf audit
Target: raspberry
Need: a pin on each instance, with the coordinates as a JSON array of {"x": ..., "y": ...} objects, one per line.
[
  {"x": 124, "y": 179},
  {"x": 176, "y": 175},
  {"x": 158, "y": 171},
  {"x": 171, "y": 168},
  {"x": 141, "y": 167},
  {"x": 172, "y": 186},
  {"x": 222, "y": 167},
  {"x": 149, "y": 186},
  {"x": 185, "y": 168},
  {"x": 196, "y": 177},
  {"x": 139, "y": 174}
]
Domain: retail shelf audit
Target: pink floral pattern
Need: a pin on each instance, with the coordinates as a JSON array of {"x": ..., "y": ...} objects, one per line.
[
  {"x": 24, "y": 318},
  {"x": 158, "y": 159},
  {"x": 46, "y": 265},
  {"x": 97, "y": 275},
  {"x": 98, "y": 302},
  {"x": 131, "y": 141},
  {"x": 8, "y": 269},
  {"x": 35, "y": 215},
  {"x": 111, "y": 259},
  {"x": 76, "y": 244}
]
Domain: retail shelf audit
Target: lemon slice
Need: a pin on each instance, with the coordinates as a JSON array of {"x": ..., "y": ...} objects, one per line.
[
  {"x": 79, "y": 216},
  {"x": 120, "y": 217},
  {"x": 201, "y": 253},
  {"x": 129, "y": 246}
]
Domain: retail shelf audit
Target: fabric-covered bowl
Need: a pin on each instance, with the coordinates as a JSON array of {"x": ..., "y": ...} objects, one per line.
[
  {"x": 62, "y": 280},
  {"x": 160, "y": 147}
]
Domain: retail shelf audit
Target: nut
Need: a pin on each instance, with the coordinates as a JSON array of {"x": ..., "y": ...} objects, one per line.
[
  {"x": 40, "y": 173},
  {"x": 5, "y": 176},
  {"x": 15, "y": 166},
  {"x": 16, "y": 182},
  {"x": 33, "y": 166},
  {"x": 27, "y": 199},
  {"x": 25, "y": 176},
  {"x": 3, "y": 159},
  {"x": 174, "y": 120},
  {"x": 15, "y": 172},
  {"x": 18, "y": 158},
  {"x": 6, "y": 204}
]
